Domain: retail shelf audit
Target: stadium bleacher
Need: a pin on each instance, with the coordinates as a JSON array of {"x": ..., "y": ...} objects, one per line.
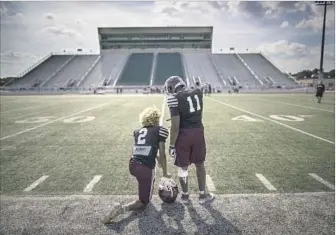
[
  {"x": 264, "y": 68},
  {"x": 168, "y": 64},
  {"x": 200, "y": 64},
  {"x": 42, "y": 72},
  {"x": 137, "y": 70},
  {"x": 137, "y": 57},
  {"x": 74, "y": 70},
  {"x": 231, "y": 66},
  {"x": 107, "y": 69}
]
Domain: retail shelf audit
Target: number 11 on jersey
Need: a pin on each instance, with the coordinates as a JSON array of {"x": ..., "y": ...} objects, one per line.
[{"x": 191, "y": 105}]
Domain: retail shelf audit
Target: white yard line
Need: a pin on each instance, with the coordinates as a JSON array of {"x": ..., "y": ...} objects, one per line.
[
  {"x": 36, "y": 183},
  {"x": 296, "y": 105},
  {"x": 274, "y": 121},
  {"x": 58, "y": 119},
  {"x": 92, "y": 183},
  {"x": 210, "y": 184},
  {"x": 319, "y": 179},
  {"x": 265, "y": 182}
]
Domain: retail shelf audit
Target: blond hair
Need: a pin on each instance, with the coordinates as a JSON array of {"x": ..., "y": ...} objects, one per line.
[{"x": 150, "y": 117}]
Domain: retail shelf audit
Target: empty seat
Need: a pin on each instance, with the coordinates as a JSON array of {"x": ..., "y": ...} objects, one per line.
[
  {"x": 137, "y": 70},
  {"x": 168, "y": 64}
]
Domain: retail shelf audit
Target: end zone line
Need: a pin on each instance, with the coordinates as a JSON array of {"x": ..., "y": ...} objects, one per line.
[
  {"x": 58, "y": 119},
  {"x": 319, "y": 179},
  {"x": 265, "y": 182},
  {"x": 92, "y": 183},
  {"x": 280, "y": 102},
  {"x": 210, "y": 184},
  {"x": 271, "y": 120},
  {"x": 36, "y": 183}
]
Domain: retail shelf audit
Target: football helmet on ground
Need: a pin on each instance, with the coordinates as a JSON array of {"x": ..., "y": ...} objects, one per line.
[
  {"x": 172, "y": 83},
  {"x": 168, "y": 190}
]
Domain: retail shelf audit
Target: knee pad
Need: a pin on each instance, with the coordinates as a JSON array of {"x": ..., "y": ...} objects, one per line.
[{"x": 182, "y": 173}]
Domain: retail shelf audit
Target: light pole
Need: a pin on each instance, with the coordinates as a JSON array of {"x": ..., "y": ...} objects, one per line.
[{"x": 325, "y": 4}]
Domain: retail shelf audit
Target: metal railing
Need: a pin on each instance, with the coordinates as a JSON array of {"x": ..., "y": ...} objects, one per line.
[
  {"x": 121, "y": 71},
  {"x": 30, "y": 68},
  {"x": 218, "y": 72},
  {"x": 277, "y": 66},
  {"x": 56, "y": 72},
  {"x": 153, "y": 69},
  {"x": 249, "y": 68},
  {"x": 88, "y": 71}
]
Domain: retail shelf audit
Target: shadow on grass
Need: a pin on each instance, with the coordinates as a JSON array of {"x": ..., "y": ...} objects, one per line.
[
  {"x": 150, "y": 221},
  {"x": 222, "y": 226}
]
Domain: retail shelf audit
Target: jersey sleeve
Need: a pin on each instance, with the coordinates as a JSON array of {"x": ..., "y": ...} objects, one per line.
[
  {"x": 163, "y": 134},
  {"x": 172, "y": 102}
]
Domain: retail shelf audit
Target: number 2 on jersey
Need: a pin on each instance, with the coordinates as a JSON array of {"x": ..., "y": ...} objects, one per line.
[
  {"x": 191, "y": 105},
  {"x": 141, "y": 137}
]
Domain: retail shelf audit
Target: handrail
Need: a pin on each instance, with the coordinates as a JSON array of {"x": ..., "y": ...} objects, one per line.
[
  {"x": 216, "y": 69},
  {"x": 234, "y": 77},
  {"x": 88, "y": 71},
  {"x": 153, "y": 68},
  {"x": 186, "y": 68},
  {"x": 59, "y": 69},
  {"x": 277, "y": 66},
  {"x": 188, "y": 82},
  {"x": 30, "y": 68},
  {"x": 230, "y": 79},
  {"x": 269, "y": 77},
  {"x": 121, "y": 71},
  {"x": 249, "y": 68}
]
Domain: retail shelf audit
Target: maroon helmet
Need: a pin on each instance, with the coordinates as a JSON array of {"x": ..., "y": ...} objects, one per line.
[
  {"x": 168, "y": 190},
  {"x": 172, "y": 83}
]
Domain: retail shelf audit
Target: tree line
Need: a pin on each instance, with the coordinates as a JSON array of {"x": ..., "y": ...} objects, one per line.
[{"x": 307, "y": 74}]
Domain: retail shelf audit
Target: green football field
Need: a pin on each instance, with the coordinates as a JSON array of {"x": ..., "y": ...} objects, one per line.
[{"x": 81, "y": 144}]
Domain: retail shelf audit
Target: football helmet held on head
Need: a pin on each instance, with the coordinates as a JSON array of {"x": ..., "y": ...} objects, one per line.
[
  {"x": 168, "y": 190},
  {"x": 172, "y": 83}
]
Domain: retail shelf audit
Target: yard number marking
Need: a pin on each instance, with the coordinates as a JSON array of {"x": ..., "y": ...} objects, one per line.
[
  {"x": 35, "y": 119},
  {"x": 280, "y": 117},
  {"x": 246, "y": 118},
  {"x": 79, "y": 119},
  {"x": 289, "y": 118}
]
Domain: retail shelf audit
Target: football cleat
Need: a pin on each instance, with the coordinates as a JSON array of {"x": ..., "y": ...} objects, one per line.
[
  {"x": 168, "y": 190},
  {"x": 206, "y": 197},
  {"x": 172, "y": 84},
  {"x": 185, "y": 198}
]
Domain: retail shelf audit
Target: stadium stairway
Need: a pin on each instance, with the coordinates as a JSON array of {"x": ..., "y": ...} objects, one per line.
[
  {"x": 153, "y": 68},
  {"x": 168, "y": 64},
  {"x": 250, "y": 69},
  {"x": 231, "y": 66},
  {"x": 106, "y": 69},
  {"x": 265, "y": 68},
  {"x": 84, "y": 77},
  {"x": 42, "y": 72},
  {"x": 74, "y": 70},
  {"x": 199, "y": 64},
  {"x": 137, "y": 70}
]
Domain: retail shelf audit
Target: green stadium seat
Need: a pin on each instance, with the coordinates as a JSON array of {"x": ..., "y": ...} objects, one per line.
[
  {"x": 137, "y": 70},
  {"x": 168, "y": 64}
]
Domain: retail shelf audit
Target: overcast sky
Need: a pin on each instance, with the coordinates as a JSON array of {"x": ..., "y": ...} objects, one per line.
[{"x": 288, "y": 32}]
